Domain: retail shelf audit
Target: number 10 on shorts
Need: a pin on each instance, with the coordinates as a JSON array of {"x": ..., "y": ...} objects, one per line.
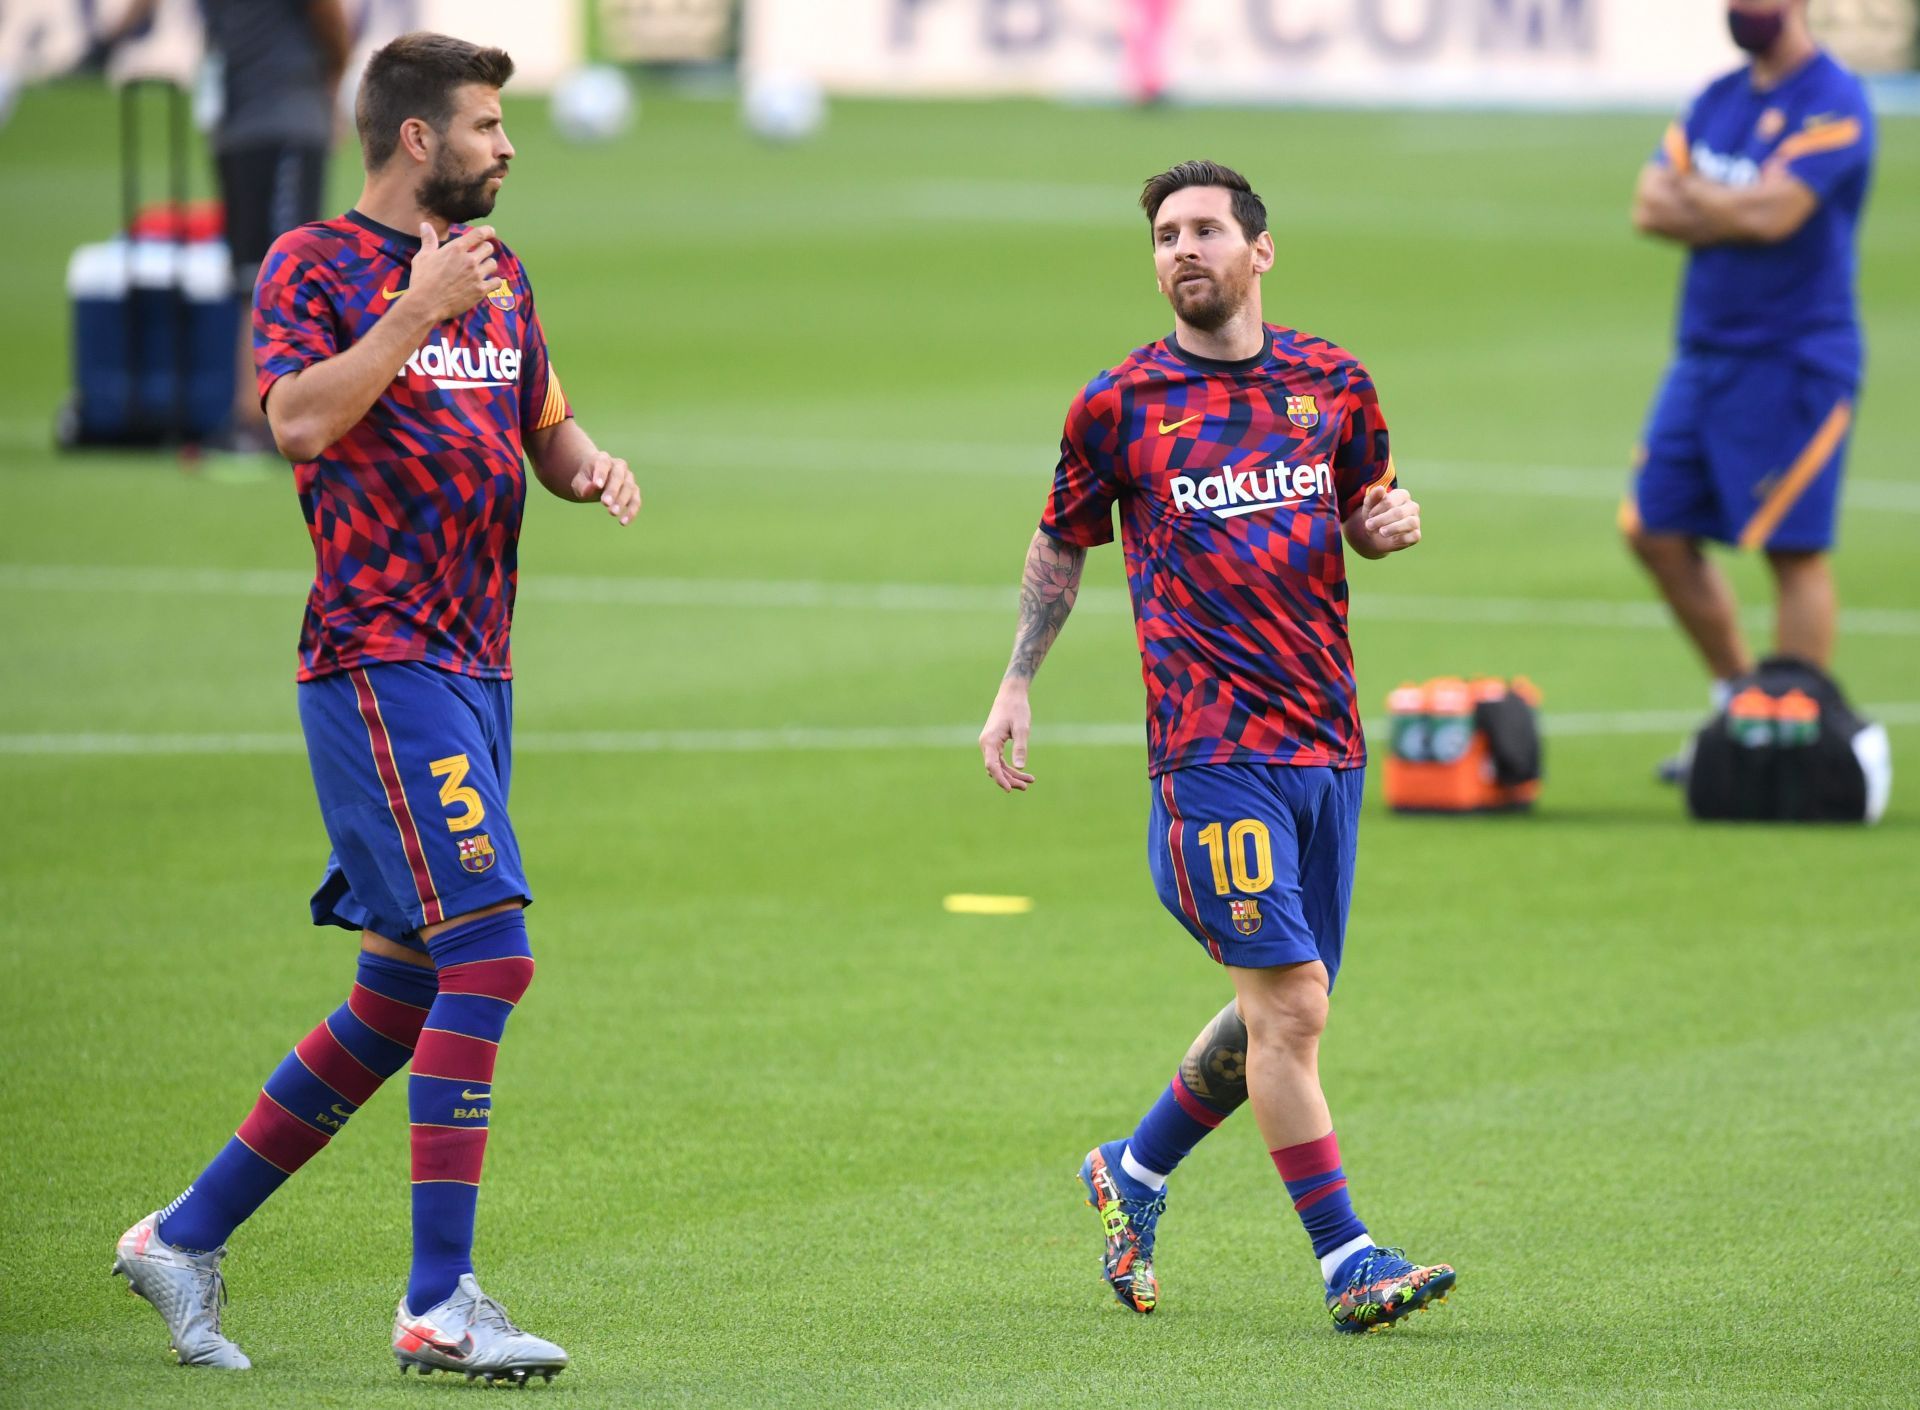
[{"x": 1245, "y": 850}]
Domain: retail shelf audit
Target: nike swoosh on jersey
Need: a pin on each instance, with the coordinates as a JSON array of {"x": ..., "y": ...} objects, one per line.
[
  {"x": 1167, "y": 430},
  {"x": 391, "y": 294}
]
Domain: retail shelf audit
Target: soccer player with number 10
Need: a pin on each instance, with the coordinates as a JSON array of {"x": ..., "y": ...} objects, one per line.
[{"x": 1239, "y": 454}]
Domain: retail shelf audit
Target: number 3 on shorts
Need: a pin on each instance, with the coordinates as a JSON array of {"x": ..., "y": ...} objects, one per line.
[
  {"x": 454, "y": 793},
  {"x": 1227, "y": 847}
]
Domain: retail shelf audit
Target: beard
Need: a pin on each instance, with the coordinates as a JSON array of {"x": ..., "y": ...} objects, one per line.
[
  {"x": 1209, "y": 306},
  {"x": 455, "y": 195},
  {"x": 1756, "y": 32}
]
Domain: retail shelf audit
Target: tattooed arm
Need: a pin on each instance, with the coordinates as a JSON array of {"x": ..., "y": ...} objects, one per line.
[{"x": 1047, "y": 590}]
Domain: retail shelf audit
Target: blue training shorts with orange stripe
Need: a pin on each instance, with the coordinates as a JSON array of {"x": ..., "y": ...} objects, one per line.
[
  {"x": 412, "y": 765},
  {"x": 1256, "y": 860},
  {"x": 1747, "y": 449}
]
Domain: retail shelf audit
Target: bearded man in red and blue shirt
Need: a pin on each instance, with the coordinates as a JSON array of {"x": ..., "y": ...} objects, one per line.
[
  {"x": 404, "y": 372},
  {"x": 1244, "y": 459}
]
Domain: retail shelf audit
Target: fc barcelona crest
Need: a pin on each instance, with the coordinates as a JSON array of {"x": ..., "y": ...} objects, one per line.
[
  {"x": 1303, "y": 412},
  {"x": 1246, "y": 912},
  {"x": 501, "y": 295},
  {"x": 476, "y": 853}
]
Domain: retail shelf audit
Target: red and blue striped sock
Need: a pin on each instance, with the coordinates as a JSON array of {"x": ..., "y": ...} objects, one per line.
[
  {"x": 323, "y": 1081},
  {"x": 1172, "y": 1127},
  {"x": 1318, "y": 1187},
  {"x": 484, "y": 967}
]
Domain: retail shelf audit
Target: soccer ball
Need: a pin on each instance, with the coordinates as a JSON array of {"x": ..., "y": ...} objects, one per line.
[
  {"x": 783, "y": 107},
  {"x": 593, "y": 104}
]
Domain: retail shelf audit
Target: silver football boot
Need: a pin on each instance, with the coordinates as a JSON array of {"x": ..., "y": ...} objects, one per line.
[
  {"x": 185, "y": 1289},
  {"x": 470, "y": 1335}
]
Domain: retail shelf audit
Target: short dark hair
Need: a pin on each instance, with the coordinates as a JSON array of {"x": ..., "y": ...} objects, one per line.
[
  {"x": 1248, "y": 209},
  {"x": 414, "y": 77}
]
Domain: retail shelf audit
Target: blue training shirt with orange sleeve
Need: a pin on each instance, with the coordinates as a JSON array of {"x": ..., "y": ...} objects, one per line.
[
  {"x": 1233, "y": 480},
  {"x": 415, "y": 512},
  {"x": 1795, "y": 295}
]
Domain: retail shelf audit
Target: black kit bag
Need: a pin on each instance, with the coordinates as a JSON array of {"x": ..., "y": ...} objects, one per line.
[
  {"x": 1512, "y": 729},
  {"x": 1789, "y": 748}
]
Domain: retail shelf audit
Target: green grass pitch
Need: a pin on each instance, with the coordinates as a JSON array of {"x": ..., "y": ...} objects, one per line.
[{"x": 777, "y": 1130}]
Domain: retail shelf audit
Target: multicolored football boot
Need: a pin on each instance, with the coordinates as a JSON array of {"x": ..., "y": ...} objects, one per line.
[
  {"x": 1382, "y": 1287},
  {"x": 1129, "y": 1213}
]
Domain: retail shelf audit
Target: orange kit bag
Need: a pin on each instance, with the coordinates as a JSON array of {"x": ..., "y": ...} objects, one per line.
[{"x": 1459, "y": 746}]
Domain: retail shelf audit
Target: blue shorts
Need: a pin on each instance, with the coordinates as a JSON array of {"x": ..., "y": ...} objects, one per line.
[
  {"x": 1745, "y": 449},
  {"x": 1256, "y": 860},
  {"x": 411, "y": 764}
]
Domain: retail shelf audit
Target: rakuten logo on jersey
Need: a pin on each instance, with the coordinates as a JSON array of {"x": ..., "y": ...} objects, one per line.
[
  {"x": 451, "y": 368},
  {"x": 1234, "y": 492}
]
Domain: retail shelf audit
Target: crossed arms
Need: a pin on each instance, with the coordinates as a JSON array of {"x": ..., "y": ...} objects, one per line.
[{"x": 1686, "y": 207}]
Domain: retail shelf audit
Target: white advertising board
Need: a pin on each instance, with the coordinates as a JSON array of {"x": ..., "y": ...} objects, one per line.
[
  {"x": 1872, "y": 36},
  {"x": 1576, "y": 52},
  {"x": 546, "y": 40},
  {"x": 666, "y": 31}
]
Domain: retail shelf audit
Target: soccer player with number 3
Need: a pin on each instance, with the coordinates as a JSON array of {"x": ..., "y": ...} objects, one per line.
[
  {"x": 1240, "y": 454},
  {"x": 405, "y": 373}
]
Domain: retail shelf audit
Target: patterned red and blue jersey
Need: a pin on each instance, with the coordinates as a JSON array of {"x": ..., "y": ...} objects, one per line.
[
  {"x": 1232, "y": 480},
  {"x": 415, "y": 512}
]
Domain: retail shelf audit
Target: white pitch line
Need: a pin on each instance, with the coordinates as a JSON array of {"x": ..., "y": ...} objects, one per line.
[
  {"x": 553, "y": 587},
  {"x": 139, "y": 581},
  {"x": 807, "y": 739},
  {"x": 805, "y": 594},
  {"x": 792, "y": 594},
  {"x": 1588, "y": 726},
  {"x": 1034, "y": 460},
  {"x": 1599, "y": 483},
  {"x": 151, "y": 745},
  {"x": 1574, "y": 612}
]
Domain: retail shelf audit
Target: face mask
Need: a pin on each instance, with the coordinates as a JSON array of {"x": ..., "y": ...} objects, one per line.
[{"x": 1753, "y": 32}]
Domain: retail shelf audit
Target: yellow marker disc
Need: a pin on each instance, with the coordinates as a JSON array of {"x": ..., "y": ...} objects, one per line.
[{"x": 964, "y": 905}]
